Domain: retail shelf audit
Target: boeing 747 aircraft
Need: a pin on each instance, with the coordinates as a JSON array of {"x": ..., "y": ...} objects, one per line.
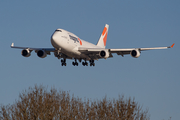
[{"x": 69, "y": 46}]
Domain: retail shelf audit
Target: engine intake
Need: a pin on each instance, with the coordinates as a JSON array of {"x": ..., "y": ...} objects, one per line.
[
  {"x": 104, "y": 54},
  {"x": 26, "y": 52},
  {"x": 135, "y": 53},
  {"x": 41, "y": 54}
]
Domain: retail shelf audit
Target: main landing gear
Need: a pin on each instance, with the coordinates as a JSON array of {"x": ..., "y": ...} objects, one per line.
[
  {"x": 63, "y": 62},
  {"x": 85, "y": 63},
  {"x": 92, "y": 63},
  {"x": 75, "y": 63}
]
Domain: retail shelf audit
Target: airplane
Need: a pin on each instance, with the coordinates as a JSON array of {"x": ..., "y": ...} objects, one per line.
[{"x": 67, "y": 45}]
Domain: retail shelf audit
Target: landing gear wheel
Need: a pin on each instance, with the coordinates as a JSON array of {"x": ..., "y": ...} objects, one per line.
[
  {"x": 92, "y": 63},
  {"x": 63, "y": 62},
  {"x": 84, "y": 63},
  {"x": 75, "y": 63}
]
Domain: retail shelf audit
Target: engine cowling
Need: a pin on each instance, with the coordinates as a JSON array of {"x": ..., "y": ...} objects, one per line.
[
  {"x": 104, "y": 54},
  {"x": 135, "y": 53},
  {"x": 26, "y": 52},
  {"x": 41, "y": 54}
]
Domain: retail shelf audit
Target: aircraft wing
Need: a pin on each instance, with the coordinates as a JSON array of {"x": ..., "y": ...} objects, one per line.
[
  {"x": 128, "y": 51},
  {"x": 47, "y": 50},
  {"x": 94, "y": 52}
]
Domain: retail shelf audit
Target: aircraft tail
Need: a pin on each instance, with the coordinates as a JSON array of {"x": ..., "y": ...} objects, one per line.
[{"x": 102, "y": 40}]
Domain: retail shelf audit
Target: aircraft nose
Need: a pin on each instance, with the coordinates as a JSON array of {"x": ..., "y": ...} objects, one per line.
[{"x": 54, "y": 40}]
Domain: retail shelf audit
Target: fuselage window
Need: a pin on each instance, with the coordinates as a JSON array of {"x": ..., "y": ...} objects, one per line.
[{"x": 58, "y": 30}]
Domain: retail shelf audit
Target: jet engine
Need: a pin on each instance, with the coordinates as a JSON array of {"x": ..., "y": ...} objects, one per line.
[
  {"x": 135, "y": 53},
  {"x": 26, "y": 52},
  {"x": 104, "y": 54},
  {"x": 41, "y": 54}
]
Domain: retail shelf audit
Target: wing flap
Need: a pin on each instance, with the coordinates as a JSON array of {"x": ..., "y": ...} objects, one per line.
[
  {"x": 90, "y": 49},
  {"x": 93, "y": 52}
]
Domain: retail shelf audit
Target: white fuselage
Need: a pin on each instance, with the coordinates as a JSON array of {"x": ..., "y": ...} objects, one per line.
[{"x": 68, "y": 43}]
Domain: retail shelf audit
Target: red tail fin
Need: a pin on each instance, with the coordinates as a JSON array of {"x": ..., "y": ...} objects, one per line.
[{"x": 103, "y": 37}]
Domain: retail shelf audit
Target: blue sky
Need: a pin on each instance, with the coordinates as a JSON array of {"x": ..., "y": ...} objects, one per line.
[{"x": 152, "y": 79}]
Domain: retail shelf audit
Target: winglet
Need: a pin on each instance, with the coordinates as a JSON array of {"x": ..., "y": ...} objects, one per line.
[
  {"x": 12, "y": 45},
  {"x": 172, "y": 45}
]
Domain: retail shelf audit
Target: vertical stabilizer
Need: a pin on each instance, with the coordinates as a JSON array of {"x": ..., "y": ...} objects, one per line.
[{"x": 102, "y": 40}]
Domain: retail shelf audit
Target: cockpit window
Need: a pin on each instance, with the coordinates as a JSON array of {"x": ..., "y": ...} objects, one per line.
[{"x": 59, "y": 30}]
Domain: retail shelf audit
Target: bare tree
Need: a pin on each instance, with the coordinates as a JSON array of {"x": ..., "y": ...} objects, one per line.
[{"x": 39, "y": 104}]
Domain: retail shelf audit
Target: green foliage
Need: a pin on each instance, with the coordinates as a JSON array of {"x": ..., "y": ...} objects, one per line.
[{"x": 39, "y": 104}]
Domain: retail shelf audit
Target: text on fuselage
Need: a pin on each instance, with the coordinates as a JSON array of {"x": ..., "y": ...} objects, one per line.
[{"x": 75, "y": 39}]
